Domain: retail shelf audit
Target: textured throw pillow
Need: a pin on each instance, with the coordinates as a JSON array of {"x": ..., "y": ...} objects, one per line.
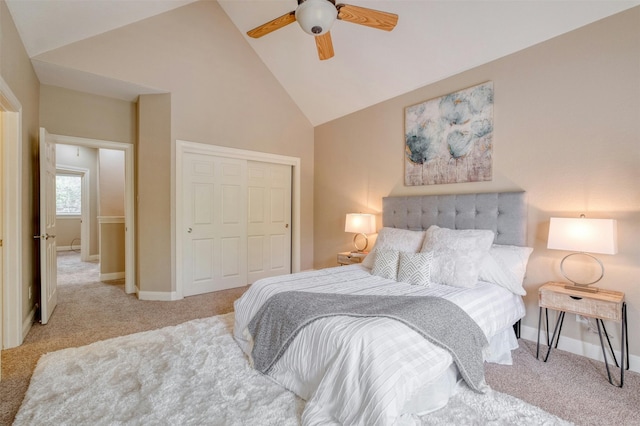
[
  {"x": 457, "y": 254},
  {"x": 395, "y": 239},
  {"x": 506, "y": 266},
  {"x": 415, "y": 268},
  {"x": 386, "y": 264}
]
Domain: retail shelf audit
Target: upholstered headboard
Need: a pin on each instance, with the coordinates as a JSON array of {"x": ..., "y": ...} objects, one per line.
[{"x": 505, "y": 213}]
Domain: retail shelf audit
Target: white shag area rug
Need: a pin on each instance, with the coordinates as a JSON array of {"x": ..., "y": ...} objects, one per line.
[{"x": 195, "y": 374}]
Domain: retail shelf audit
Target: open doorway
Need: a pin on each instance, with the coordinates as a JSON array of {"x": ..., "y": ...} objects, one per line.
[
  {"x": 90, "y": 215},
  {"x": 75, "y": 264},
  {"x": 107, "y": 233}
]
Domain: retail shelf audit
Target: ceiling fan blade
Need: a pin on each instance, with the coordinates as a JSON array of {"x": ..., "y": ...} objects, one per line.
[
  {"x": 273, "y": 25},
  {"x": 368, "y": 17},
  {"x": 325, "y": 46}
]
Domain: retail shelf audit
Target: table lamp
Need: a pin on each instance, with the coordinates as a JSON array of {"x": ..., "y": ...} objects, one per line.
[
  {"x": 361, "y": 224},
  {"x": 583, "y": 236}
]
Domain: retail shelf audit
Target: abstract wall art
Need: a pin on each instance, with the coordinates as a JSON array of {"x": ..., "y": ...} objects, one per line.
[{"x": 450, "y": 139}]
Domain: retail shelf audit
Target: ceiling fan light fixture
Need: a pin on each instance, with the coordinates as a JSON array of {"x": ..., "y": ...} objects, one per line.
[{"x": 316, "y": 16}]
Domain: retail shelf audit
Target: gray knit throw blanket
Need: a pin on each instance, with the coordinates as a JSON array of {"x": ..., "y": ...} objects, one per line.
[{"x": 438, "y": 320}]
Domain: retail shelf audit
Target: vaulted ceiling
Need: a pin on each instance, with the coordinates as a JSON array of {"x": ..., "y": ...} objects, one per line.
[{"x": 433, "y": 39}]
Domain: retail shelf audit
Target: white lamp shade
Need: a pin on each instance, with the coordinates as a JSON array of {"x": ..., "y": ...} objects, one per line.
[
  {"x": 360, "y": 223},
  {"x": 316, "y": 17},
  {"x": 583, "y": 235}
]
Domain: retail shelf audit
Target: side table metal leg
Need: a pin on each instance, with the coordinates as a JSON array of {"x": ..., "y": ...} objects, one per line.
[
  {"x": 555, "y": 331},
  {"x": 624, "y": 341},
  {"x": 546, "y": 314},
  {"x": 604, "y": 352},
  {"x": 560, "y": 330},
  {"x": 626, "y": 330},
  {"x": 615, "y": 360},
  {"x": 538, "y": 343}
]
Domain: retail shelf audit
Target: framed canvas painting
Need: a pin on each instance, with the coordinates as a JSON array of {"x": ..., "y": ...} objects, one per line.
[{"x": 450, "y": 139}]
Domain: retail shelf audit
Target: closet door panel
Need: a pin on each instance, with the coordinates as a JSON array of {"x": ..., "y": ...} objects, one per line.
[
  {"x": 269, "y": 227},
  {"x": 237, "y": 222},
  {"x": 215, "y": 234}
]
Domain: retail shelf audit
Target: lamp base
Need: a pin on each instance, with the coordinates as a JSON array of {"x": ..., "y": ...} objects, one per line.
[
  {"x": 580, "y": 284},
  {"x": 355, "y": 243},
  {"x": 581, "y": 288}
]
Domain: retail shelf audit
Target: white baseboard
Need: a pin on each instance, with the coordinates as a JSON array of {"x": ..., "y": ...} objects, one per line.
[
  {"x": 94, "y": 257},
  {"x": 26, "y": 324},
  {"x": 64, "y": 248},
  {"x": 163, "y": 296},
  {"x": 112, "y": 276},
  {"x": 579, "y": 347}
]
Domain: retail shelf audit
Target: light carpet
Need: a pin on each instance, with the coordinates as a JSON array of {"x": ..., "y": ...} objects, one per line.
[{"x": 195, "y": 374}]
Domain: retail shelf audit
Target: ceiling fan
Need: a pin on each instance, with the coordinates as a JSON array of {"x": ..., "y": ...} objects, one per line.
[{"x": 317, "y": 16}]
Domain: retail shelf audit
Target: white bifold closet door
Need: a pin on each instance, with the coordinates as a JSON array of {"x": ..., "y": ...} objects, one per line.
[
  {"x": 237, "y": 215},
  {"x": 269, "y": 220}
]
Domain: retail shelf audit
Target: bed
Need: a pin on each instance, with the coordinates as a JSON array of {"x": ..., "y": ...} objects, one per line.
[{"x": 376, "y": 366}]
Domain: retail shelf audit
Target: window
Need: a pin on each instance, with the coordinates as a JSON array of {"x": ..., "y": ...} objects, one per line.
[{"x": 68, "y": 194}]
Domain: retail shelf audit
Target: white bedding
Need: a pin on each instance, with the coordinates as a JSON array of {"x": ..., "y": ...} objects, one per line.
[{"x": 368, "y": 371}]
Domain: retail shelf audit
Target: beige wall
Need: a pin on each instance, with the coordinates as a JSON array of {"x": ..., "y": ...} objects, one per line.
[
  {"x": 71, "y": 113},
  {"x": 111, "y": 182},
  {"x": 153, "y": 167},
  {"x": 112, "y": 262},
  {"x": 221, "y": 94},
  {"x": 68, "y": 233},
  {"x": 566, "y": 121},
  {"x": 18, "y": 74}
]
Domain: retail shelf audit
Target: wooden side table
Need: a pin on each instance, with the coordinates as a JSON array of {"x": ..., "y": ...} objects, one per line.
[
  {"x": 348, "y": 258},
  {"x": 603, "y": 305}
]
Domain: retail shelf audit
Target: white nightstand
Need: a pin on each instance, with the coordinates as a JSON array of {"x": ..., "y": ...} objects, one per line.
[
  {"x": 348, "y": 258},
  {"x": 603, "y": 305}
]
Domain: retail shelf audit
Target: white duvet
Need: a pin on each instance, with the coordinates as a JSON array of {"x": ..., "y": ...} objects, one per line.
[{"x": 365, "y": 371}]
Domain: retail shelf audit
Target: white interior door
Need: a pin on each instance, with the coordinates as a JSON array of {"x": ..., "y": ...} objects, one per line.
[
  {"x": 48, "y": 257},
  {"x": 215, "y": 222},
  {"x": 269, "y": 220}
]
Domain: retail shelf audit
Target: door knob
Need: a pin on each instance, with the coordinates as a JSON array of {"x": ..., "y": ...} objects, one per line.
[
  {"x": 189, "y": 230},
  {"x": 43, "y": 237}
]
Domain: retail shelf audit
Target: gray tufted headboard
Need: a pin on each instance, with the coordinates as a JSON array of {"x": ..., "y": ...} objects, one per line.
[{"x": 505, "y": 213}]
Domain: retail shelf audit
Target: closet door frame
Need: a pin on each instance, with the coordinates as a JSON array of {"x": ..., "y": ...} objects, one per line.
[{"x": 183, "y": 147}]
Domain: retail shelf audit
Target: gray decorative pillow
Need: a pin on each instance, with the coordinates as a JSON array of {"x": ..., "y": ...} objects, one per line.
[
  {"x": 457, "y": 254},
  {"x": 395, "y": 239},
  {"x": 386, "y": 264},
  {"x": 415, "y": 268}
]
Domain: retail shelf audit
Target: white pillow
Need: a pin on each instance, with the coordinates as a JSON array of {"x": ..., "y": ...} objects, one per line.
[
  {"x": 386, "y": 264},
  {"x": 457, "y": 254},
  {"x": 506, "y": 266},
  {"x": 395, "y": 239},
  {"x": 415, "y": 268}
]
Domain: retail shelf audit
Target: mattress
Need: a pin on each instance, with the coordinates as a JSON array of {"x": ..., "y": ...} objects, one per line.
[{"x": 373, "y": 371}]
